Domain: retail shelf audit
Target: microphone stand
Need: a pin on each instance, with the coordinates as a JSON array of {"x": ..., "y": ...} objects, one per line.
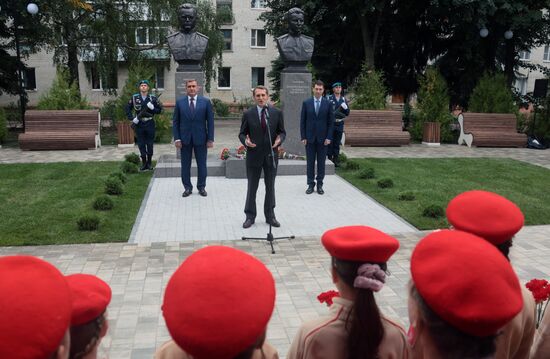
[{"x": 269, "y": 237}]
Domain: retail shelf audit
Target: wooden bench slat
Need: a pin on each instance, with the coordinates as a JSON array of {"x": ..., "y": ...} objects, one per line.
[
  {"x": 491, "y": 130},
  {"x": 375, "y": 128}
]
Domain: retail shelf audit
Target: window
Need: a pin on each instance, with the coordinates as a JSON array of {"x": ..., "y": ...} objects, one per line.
[
  {"x": 29, "y": 78},
  {"x": 141, "y": 36},
  {"x": 258, "y": 76},
  {"x": 525, "y": 55},
  {"x": 99, "y": 83},
  {"x": 258, "y": 4},
  {"x": 150, "y": 35},
  {"x": 94, "y": 77},
  {"x": 224, "y": 77},
  {"x": 228, "y": 39},
  {"x": 546, "y": 56},
  {"x": 159, "y": 77},
  {"x": 257, "y": 38},
  {"x": 521, "y": 85}
]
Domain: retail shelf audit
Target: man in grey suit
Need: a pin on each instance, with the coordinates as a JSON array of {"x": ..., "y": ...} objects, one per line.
[{"x": 262, "y": 132}]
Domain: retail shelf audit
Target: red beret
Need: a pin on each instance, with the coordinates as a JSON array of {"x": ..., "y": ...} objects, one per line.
[
  {"x": 218, "y": 302},
  {"x": 35, "y": 307},
  {"x": 360, "y": 244},
  {"x": 90, "y": 297},
  {"x": 485, "y": 214},
  {"x": 466, "y": 281}
]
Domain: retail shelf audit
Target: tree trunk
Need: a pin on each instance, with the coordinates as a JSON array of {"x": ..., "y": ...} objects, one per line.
[
  {"x": 367, "y": 41},
  {"x": 72, "y": 64},
  {"x": 509, "y": 62}
]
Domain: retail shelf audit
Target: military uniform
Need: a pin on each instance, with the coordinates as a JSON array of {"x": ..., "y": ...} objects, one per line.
[
  {"x": 326, "y": 337},
  {"x": 333, "y": 150},
  {"x": 541, "y": 346},
  {"x": 145, "y": 128},
  {"x": 170, "y": 350}
]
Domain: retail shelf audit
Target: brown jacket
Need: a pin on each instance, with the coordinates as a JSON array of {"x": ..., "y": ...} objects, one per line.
[
  {"x": 541, "y": 346},
  {"x": 517, "y": 336},
  {"x": 170, "y": 350},
  {"x": 326, "y": 337}
]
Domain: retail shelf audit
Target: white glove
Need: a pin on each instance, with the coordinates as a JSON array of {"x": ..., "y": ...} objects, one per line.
[
  {"x": 344, "y": 105},
  {"x": 135, "y": 120},
  {"x": 150, "y": 105}
]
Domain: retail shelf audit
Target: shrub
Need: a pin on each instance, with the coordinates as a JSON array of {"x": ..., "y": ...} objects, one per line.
[
  {"x": 492, "y": 95},
  {"x": 367, "y": 173},
  {"x": 121, "y": 176},
  {"x": 342, "y": 157},
  {"x": 406, "y": 196},
  {"x": 433, "y": 211},
  {"x": 370, "y": 91},
  {"x": 132, "y": 158},
  {"x": 163, "y": 127},
  {"x": 108, "y": 111},
  {"x": 221, "y": 109},
  {"x": 113, "y": 186},
  {"x": 352, "y": 165},
  {"x": 127, "y": 167},
  {"x": 3, "y": 125},
  {"x": 103, "y": 203},
  {"x": 88, "y": 223},
  {"x": 385, "y": 183},
  {"x": 62, "y": 95}
]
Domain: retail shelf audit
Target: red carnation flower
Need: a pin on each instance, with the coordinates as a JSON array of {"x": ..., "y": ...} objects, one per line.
[
  {"x": 326, "y": 297},
  {"x": 541, "y": 292}
]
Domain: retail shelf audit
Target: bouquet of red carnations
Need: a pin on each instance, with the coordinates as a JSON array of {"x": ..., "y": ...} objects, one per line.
[{"x": 540, "y": 288}]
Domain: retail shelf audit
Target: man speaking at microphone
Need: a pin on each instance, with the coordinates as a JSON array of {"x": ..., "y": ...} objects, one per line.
[{"x": 262, "y": 132}]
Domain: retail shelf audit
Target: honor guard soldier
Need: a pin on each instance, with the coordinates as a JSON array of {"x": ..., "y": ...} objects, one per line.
[
  {"x": 140, "y": 110},
  {"x": 341, "y": 111}
]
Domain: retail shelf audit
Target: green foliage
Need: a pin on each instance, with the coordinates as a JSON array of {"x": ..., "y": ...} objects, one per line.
[
  {"x": 114, "y": 186},
  {"x": 492, "y": 95},
  {"x": 385, "y": 183},
  {"x": 433, "y": 211},
  {"x": 221, "y": 109},
  {"x": 108, "y": 111},
  {"x": 121, "y": 176},
  {"x": 103, "y": 203},
  {"x": 370, "y": 91},
  {"x": 88, "y": 223},
  {"x": 274, "y": 76},
  {"x": 127, "y": 167},
  {"x": 163, "y": 127},
  {"x": 342, "y": 157},
  {"x": 406, "y": 196},
  {"x": 62, "y": 95},
  {"x": 132, "y": 158},
  {"x": 3, "y": 126},
  {"x": 367, "y": 173},
  {"x": 351, "y": 165}
]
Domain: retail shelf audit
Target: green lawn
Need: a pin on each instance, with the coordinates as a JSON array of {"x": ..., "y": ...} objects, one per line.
[
  {"x": 40, "y": 203},
  {"x": 436, "y": 181}
]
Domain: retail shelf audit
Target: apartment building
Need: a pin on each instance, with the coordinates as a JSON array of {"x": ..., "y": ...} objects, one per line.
[{"x": 525, "y": 78}]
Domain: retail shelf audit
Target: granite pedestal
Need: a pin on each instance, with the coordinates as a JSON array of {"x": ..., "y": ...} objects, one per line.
[{"x": 295, "y": 89}]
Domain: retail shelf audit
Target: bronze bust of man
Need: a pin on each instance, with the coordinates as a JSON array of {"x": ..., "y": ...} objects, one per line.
[
  {"x": 295, "y": 49},
  {"x": 187, "y": 46}
]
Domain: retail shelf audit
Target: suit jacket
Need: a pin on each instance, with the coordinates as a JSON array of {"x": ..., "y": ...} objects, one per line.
[
  {"x": 251, "y": 126},
  {"x": 198, "y": 126},
  {"x": 316, "y": 128}
]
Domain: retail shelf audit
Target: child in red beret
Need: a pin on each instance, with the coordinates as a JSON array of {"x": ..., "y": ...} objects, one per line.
[
  {"x": 354, "y": 327},
  {"x": 462, "y": 293},
  {"x": 497, "y": 219},
  {"x": 90, "y": 297},
  {"x": 35, "y": 309},
  {"x": 217, "y": 305}
]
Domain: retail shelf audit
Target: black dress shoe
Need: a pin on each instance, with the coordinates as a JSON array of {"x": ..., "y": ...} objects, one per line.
[
  {"x": 202, "y": 192},
  {"x": 309, "y": 190},
  {"x": 273, "y": 222},
  {"x": 186, "y": 193},
  {"x": 249, "y": 222},
  {"x": 320, "y": 190}
]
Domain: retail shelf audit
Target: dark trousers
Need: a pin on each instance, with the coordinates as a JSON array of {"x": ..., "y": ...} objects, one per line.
[
  {"x": 253, "y": 175},
  {"x": 334, "y": 147},
  {"x": 316, "y": 151},
  {"x": 145, "y": 133},
  {"x": 186, "y": 157}
]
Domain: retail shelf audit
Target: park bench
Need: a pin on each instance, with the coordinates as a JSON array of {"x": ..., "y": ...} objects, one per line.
[
  {"x": 61, "y": 130},
  {"x": 375, "y": 128},
  {"x": 490, "y": 130}
]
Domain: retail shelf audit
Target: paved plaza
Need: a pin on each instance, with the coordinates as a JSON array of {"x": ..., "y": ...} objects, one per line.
[{"x": 169, "y": 228}]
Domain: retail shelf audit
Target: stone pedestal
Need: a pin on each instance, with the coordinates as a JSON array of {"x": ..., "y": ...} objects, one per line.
[
  {"x": 295, "y": 88},
  {"x": 181, "y": 90}
]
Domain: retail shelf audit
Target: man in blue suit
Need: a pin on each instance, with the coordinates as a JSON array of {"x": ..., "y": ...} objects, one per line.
[
  {"x": 193, "y": 128},
  {"x": 316, "y": 129}
]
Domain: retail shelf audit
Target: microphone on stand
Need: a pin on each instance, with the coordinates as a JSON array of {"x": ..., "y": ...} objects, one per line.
[{"x": 266, "y": 109}]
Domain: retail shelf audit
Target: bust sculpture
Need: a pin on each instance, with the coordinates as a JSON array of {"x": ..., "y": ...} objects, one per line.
[
  {"x": 295, "y": 49},
  {"x": 187, "y": 46}
]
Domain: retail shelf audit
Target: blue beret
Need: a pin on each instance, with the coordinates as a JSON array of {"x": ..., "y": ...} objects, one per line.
[
  {"x": 143, "y": 82},
  {"x": 336, "y": 84}
]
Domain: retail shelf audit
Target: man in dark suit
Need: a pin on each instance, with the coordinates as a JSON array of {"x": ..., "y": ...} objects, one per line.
[
  {"x": 316, "y": 129},
  {"x": 262, "y": 131},
  {"x": 193, "y": 129}
]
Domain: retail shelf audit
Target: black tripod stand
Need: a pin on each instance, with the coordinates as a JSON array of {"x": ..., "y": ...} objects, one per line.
[{"x": 269, "y": 237}]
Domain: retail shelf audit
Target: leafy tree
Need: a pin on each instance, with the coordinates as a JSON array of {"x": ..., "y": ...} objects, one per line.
[
  {"x": 62, "y": 95},
  {"x": 492, "y": 95},
  {"x": 370, "y": 91}
]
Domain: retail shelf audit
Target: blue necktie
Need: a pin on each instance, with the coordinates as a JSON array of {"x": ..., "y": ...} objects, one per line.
[
  {"x": 316, "y": 107},
  {"x": 192, "y": 105}
]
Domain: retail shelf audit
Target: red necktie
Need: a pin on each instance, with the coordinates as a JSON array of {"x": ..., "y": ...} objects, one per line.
[
  {"x": 264, "y": 125},
  {"x": 192, "y": 105}
]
